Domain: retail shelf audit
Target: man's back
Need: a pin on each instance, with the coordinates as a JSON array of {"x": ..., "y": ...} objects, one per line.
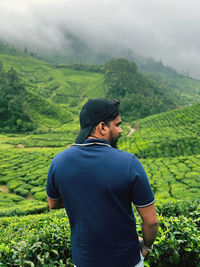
[{"x": 97, "y": 184}]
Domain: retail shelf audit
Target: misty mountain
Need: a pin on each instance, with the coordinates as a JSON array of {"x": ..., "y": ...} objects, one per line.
[
  {"x": 45, "y": 96},
  {"x": 79, "y": 51}
]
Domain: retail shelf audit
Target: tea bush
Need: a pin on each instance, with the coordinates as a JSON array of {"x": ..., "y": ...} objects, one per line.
[
  {"x": 41, "y": 196},
  {"x": 177, "y": 243},
  {"x": 170, "y": 134},
  {"x": 44, "y": 240}
]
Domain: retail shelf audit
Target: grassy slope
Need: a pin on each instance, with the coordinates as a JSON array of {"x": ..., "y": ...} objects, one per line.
[
  {"x": 55, "y": 96},
  {"x": 169, "y": 146},
  {"x": 66, "y": 87},
  {"x": 166, "y": 132}
]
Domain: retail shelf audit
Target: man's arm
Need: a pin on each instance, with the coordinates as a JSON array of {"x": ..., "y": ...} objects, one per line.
[
  {"x": 55, "y": 203},
  {"x": 149, "y": 227}
]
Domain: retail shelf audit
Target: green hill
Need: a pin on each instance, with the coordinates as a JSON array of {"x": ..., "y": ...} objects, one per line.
[
  {"x": 173, "y": 170},
  {"x": 49, "y": 96},
  {"x": 169, "y": 134},
  {"x": 168, "y": 145},
  {"x": 44, "y": 100},
  {"x": 52, "y": 95},
  {"x": 142, "y": 94},
  {"x": 25, "y": 110}
]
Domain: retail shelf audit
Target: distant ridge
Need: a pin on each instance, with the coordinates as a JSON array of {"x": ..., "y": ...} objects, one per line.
[{"x": 54, "y": 93}]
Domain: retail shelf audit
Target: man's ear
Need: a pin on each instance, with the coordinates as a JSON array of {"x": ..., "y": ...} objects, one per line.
[{"x": 102, "y": 128}]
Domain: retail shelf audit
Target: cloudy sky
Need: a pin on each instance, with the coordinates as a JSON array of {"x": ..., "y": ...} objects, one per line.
[{"x": 167, "y": 30}]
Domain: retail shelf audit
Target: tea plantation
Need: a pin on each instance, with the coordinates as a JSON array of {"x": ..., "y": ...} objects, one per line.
[{"x": 168, "y": 145}]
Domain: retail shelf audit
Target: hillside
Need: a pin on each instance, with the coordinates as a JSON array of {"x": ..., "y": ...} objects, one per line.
[
  {"x": 46, "y": 99},
  {"x": 168, "y": 146},
  {"x": 52, "y": 95},
  {"x": 24, "y": 110},
  {"x": 142, "y": 94}
]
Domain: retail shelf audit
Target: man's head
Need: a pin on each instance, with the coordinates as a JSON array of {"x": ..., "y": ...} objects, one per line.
[{"x": 100, "y": 117}]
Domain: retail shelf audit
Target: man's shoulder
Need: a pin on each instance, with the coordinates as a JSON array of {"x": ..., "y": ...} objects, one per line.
[
  {"x": 123, "y": 154},
  {"x": 64, "y": 153}
]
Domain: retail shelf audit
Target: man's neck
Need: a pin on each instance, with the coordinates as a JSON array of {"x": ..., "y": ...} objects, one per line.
[
  {"x": 96, "y": 136},
  {"x": 92, "y": 136}
]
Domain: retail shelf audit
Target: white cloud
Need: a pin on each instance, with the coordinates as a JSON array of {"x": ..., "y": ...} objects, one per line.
[{"x": 163, "y": 29}]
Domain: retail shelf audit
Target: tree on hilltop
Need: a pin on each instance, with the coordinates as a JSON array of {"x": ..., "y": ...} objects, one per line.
[{"x": 13, "y": 116}]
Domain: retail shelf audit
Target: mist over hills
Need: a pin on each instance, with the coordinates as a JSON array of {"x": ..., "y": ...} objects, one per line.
[
  {"x": 80, "y": 52},
  {"x": 47, "y": 95}
]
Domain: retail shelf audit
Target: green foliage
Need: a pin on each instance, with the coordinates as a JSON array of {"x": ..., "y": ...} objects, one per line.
[
  {"x": 44, "y": 240},
  {"x": 83, "y": 67},
  {"x": 177, "y": 243},
  {"x": 119, "y": 77},
  {"x": 8, "y": 49},
  {"x": 12, "y": 205},
  {"x": 13, "y": 115},
  {"x": 45, "y": 98},
  {"x": 188, "y": 208},
  {"x": 168, "y": 145},
  {"x": 171, "y": 78},
  {"x": 51, "y": 94},
  {"x": 23, "y": 172},
  {"x": 45, "y": 112},
  {"x": 141, "y": 94},
  {"x": 69, "y": 86},
  {"x": 173, "y": 178},
  {"x": 170, "y": 134},
  {"x": 173, "y": 170},
  {"x": 6, "y": 198},
  {"x": 40, "y": 196},
  {"x": 51, "y": 139}
]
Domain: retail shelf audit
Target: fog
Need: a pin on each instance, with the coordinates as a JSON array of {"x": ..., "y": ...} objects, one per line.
[{"x": 166, "y": 30}]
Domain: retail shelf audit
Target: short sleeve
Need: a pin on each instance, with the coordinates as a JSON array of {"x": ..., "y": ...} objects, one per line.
[
  {"x": 141, "y": 192},
  {"x": 52, "y": 191}
]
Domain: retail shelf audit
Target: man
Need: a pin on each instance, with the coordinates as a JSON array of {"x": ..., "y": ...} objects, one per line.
[{"x": 97, "y": 184}]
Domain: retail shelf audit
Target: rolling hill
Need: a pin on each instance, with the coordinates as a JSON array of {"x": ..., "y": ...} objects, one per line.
[
  {"x": 166, "y": 143},
  {"x": 53, "y": 94},
  {"x": 49, "y": 97},
  {"x": 168, "y": 146}
]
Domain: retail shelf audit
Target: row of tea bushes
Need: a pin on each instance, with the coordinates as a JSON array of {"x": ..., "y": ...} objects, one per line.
[
  {"x": 12, "y": 205},
  {"x": 51, "y": 139},
  {"x": 44, "y": 240},
  {"x": 40, "y": 240},
  {"x": 155, "y": 146},
  {"x": 168, "y": 134},
  {"x": 24, "y": 172},
  {"x": 174, "y": 177}
]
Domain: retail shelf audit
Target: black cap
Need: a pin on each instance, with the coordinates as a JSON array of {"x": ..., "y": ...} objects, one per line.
[{"x": 93, "y": 112}]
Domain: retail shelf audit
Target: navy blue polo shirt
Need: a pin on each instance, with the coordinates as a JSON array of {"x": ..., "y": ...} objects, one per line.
[{"x": 98, "y": 184}]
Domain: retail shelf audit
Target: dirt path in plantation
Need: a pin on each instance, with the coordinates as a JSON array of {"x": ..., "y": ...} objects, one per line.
[
  {"x": 132, "y": 130},
  {"x": 30, "y": 196},
  {"x": 4, "y": 188}
]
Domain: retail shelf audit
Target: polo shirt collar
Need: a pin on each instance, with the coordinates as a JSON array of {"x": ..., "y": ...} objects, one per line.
[{"x": 94, "y": 141}]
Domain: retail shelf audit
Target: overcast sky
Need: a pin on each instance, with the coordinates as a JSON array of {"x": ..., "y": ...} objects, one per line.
[{"x": 167, "y": 30}]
